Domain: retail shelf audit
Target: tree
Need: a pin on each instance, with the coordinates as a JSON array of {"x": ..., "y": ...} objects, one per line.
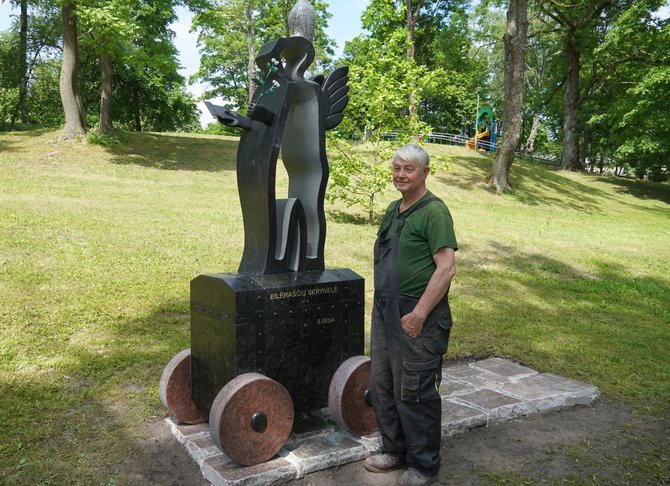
[
  {"x": 627, "y": 115},
  {"x": 380, "y": 73},
  {"x": 420, "y": 20},
  {"x": 17, "y": 85},
  {"x": 229, "y": 35},
  {"x": 445, "y": 44},
  {"x": 130, "y": 59},
  {"x": 515, "y": 48},
  {"x": 355, "y": 177},
  {"x": 9, "y": 92},
  {"x": 69, "y": 92},
  {"x": 21, "y": 105},
  {"x": 581, "y": 21},
  {"x": 110, "y": 27}
]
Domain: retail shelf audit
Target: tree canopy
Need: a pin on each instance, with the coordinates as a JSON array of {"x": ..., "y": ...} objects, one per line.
[{"x": 595, "y": 76}]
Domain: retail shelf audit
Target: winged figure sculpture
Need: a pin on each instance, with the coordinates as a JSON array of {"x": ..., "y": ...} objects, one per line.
[{"x": 289, "y": 115}]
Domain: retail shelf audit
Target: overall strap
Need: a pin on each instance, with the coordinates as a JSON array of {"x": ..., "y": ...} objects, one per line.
[{"x": 405, "y": 215}]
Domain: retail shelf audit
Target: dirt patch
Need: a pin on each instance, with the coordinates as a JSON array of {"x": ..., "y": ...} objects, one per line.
[
  {"x": 601, "y": 444},
  {"x": 164, "y": 461}
]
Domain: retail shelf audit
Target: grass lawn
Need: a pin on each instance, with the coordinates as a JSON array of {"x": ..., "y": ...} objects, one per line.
[{"x": 570, "y": 274}]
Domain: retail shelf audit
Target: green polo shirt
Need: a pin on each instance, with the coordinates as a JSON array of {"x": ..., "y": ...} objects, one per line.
[{"x": 426, "y": 231}]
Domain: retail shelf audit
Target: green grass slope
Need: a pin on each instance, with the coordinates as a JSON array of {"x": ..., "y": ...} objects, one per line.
[{"x": 571, "y": 275}]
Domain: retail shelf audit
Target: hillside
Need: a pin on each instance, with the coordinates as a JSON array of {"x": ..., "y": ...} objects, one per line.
[{"x": 570, "y": 274}]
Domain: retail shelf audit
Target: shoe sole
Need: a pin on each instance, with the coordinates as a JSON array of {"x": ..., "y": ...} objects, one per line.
[{"x": 373, "y": 469}]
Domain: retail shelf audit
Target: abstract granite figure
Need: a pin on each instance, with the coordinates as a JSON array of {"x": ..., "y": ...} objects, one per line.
[{"x": 290, "y": 113}]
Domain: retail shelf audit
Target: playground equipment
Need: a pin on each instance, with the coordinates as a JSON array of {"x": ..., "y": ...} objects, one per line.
[{"x": 486, "y": 129}]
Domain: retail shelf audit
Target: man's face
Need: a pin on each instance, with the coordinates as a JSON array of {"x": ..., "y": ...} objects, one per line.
[{"x": 408, "y": 177}]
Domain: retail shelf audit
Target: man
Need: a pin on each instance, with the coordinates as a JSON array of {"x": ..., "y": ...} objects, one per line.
[{"x": 411, "y": 321}]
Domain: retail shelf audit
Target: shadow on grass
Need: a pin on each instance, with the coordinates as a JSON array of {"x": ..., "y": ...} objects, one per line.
[
  {"x": 171, "y": 152},
  {"x": 548, "y": 185},
  {"x": 477, "y": 168},
  {"x": 603, "y": 326},
  {"x": 82, "y": 423},
  {"x": 640, "y": 189},
  {"x": 14, "y": 141},
  {"x": 357, "y": 219},
  {"x": 533, "y": 184}
]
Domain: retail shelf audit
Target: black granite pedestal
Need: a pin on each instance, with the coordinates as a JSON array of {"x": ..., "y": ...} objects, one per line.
[{"x": 296, "y": 328}]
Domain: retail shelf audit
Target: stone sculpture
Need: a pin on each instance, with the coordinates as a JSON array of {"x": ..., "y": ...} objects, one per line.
[
  {"x": 291, "y": 114},
  {"x": 284, "y": 335}
]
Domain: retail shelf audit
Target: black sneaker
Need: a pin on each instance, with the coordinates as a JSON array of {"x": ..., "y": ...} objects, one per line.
[{"x": 381, "y": 463}]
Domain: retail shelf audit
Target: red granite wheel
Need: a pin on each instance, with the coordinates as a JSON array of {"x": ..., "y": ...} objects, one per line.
[
  {"x": 251, "y": 418},
  {"x": 348, "y": 396},
  {"x": 175, "y": 390}
]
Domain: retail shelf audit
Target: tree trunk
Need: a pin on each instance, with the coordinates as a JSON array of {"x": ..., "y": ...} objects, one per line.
[
  {"x": 515, "y": 51},
  {"x": 583, "y": 153},
  {"x": 534, "y": 129},
  {"x": 535, "y": 125},
  {"x": 137, "y": 114},
  {"x": 106, "y": 81},
  {"x": 251, "y": 65},
  {"x": 570, "y": 108},
  {"x": 601, "y": 163},
  {"x": 74, "y": 120},
  {"x": 410, "y": 20},
  {"x": 21, "y": 105},
  {"x": 287, "y": 9}
]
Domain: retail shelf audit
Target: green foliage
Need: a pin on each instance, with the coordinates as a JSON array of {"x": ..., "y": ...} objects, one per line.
[
  {"x": 9, "y": 79},
  {"x": 443, "y": 70},
  {"x": 96, "y": 138},
  {"x": 381, "y": 78},
  {"x": 44, "y": 103},
  {"x": 216, "y": 128},
  {"x": 631, "y": 112},
  {"x": 222, "y": 36},
  {"x": 8, "y": 99},
  {"x": 360, "y": 174},
  {"x": 148, "y": 93}
]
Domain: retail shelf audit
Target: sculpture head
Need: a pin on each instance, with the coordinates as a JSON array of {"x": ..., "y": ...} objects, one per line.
[{"x": 301, "y": 20}]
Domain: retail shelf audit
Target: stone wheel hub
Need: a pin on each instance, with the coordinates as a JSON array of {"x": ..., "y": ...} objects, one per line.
[{"x": 251, "y": 418}]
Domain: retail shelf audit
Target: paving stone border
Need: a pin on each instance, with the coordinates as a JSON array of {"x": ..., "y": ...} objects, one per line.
[{"x": 473, "y": 394}]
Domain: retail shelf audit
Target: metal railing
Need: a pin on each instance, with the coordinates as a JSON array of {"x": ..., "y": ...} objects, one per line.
[{"x": 462, "y": 140}]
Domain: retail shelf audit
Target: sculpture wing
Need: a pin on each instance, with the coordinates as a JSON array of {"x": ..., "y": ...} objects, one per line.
[{"x": 335, "y": 89}]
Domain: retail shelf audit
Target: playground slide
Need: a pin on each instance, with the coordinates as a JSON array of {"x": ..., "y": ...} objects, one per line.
[{"x": 471, "y": 143}]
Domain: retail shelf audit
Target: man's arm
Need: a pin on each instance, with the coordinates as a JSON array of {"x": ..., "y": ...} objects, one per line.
[{"x": 445, "y": 263}]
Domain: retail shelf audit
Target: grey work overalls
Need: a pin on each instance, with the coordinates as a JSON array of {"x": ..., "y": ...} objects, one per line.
[{"x": 406, "y": 371}]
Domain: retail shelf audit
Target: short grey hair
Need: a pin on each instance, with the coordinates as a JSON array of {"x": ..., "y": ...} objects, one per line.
[{"x": 413, "y": 153}]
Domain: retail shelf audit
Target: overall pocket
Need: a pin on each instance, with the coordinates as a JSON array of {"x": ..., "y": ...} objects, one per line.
[
  {"x": 436, "y": 340},
  {"x": 421, "y": 380},
  {"x": 437, "y": 329}
]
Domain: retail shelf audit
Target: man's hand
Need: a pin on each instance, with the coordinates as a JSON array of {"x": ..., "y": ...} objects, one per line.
[{"x": 412, "y": 324}]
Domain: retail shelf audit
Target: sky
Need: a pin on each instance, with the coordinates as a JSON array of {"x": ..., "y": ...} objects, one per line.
[{"x": 344, "y": 25}]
